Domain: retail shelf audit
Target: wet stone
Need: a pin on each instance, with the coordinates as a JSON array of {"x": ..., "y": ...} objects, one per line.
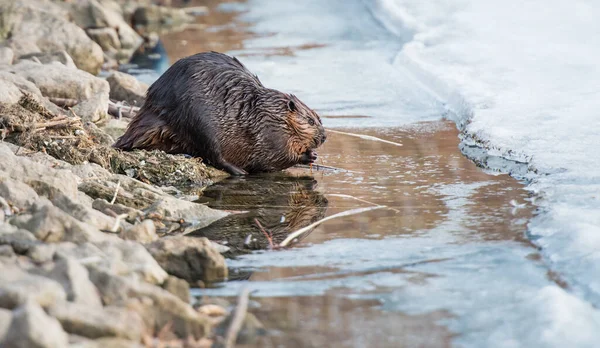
[{"x": 189, "y": 258}]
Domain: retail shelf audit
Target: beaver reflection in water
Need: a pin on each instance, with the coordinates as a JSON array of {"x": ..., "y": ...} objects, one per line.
[
  {"x": 209, "y": 105},
  {"x": 282, "y": 203}
]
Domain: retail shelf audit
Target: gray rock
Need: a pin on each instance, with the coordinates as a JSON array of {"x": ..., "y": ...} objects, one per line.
[
  {"x": 144, "y": 232},
  {"x": 50, "y": 224},
  {"x": 84, "y": 213},
  {"x": 107, "y": 38},
  {"x": 48, "y": 57},
  {"x": 16, "y": 192},
  {"x": 20, "y": 240},
  {"x": 37, "y": 176},
  {"x": 18, "y": 286},
  {"x": 43, "y": 252},
  {"x": 135, "y": 258},
  {"x": 94, "y": 14},
  {"x": 31, "y": 327},
  {"x": 6, "y": 56},
  {"x": 189, "y": 258},
  {"x": 124, "y": 87},
  {"x": 198, "y": 214},
  {"x": 58, "y": 81},
  {"x": 40, "y": 26},
  {"x": 178, "y": 287},
  {"x": 97, "y": 322},
  {"x": 5, "y": 320},
  {"x": 75, "y": 280},
  {"x": 156, "y": 306}
]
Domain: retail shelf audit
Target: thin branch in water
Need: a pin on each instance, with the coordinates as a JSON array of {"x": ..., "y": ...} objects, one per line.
[
  {"x": 358, "y": 199},
  {"x": 321, "y": 167},
  {"x": 112, "y": 201},
  {"x": 366, "y": 137},
  {"x": 299, "y": 232},
  {"x": 238, "y": 318}
]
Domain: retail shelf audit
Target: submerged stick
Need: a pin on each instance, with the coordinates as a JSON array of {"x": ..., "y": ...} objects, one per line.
[
  {"x": 238, "y": 318},
  {"x": 299, "y": 232},
  {"x": 366, "y": 137}
]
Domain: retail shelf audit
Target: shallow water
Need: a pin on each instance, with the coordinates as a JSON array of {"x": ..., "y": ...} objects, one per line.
[{"x": 444, "y": 263}]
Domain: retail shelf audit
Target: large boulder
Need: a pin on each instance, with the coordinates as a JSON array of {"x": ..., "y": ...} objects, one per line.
[
  {"x": 13, "y": 88},
  {"x": 189, "y": 258},
  {"x": 41, "y": 26},
  {"x": 32, "y": 327},
  {"x": 56, "y": 80}
]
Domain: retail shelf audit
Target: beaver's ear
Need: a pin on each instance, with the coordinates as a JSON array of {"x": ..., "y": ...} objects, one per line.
[{"x": 291, "y": 105}]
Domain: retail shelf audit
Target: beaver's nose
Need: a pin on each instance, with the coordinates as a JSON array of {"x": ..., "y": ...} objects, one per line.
[{"x": 323, "y": 138}]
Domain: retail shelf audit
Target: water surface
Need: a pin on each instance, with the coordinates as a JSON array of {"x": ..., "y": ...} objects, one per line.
[{"x": 444, "y": 263}]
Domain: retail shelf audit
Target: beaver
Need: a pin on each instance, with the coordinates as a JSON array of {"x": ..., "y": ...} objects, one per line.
[{"x": 209, "y": 105}]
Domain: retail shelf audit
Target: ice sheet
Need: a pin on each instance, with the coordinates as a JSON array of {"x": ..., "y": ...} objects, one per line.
[{"x": 522, "y": 80}]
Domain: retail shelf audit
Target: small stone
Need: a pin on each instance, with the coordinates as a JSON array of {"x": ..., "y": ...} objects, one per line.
[
  {"x": 6, "y": 56},
  {"x": 189, "y": 258},
  {"x": 144, "y": 232},
  {"x": 178, "y": 287},
  {"x": 135, "y": 258},
  {"x": 48, "y": 57},
  {"x": 124, "y": 87},
  {"x": 31, "y": 327},
  {"x": 212, "y": 310},
  {"x": 80, "y": 319},
  {"x": 18, "y": 286},
  {"x": 17, "y": 192},
  {"x": 20, "y": 240}
]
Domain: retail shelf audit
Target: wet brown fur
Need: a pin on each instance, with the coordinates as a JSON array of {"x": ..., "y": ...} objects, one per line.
[{"x": 209, "y": 105}]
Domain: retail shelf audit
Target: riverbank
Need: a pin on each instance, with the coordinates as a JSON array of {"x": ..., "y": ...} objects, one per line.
[{"x": 92, "y": 240}]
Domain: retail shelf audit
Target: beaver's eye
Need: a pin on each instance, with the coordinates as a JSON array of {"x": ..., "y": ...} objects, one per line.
[{"x": 311, "y": 121}]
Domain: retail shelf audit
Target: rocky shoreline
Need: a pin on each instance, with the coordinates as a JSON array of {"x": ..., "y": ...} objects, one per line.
[{"x": 92, "y": 240}]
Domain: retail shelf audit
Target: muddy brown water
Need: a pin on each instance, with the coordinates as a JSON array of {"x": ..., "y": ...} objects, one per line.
[{"x": 391, "y": 277}]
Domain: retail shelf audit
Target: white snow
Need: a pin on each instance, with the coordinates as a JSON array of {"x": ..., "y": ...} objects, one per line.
[{"x": 526, "y": 75}]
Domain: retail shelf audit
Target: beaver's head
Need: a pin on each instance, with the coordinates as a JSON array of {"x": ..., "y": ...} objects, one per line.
[{"x": 305, "y": 126}]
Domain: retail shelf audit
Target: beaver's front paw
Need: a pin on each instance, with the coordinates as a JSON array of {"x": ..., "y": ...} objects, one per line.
[{"x": 308, "y": 157}]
